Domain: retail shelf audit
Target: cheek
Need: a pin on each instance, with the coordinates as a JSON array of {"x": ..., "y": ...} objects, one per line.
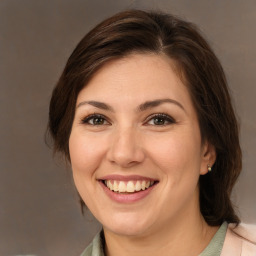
[
  {"x": 82, "y": 149},
  {"x": 178, "y": 153},
  {"x": 85, "y": 157},
  {"x": 85, "y": 154}
]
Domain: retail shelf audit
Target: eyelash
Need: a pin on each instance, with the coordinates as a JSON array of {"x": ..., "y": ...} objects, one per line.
[
  {"x": 87, "y": 119},
  {"x": 162, "y": 116}
]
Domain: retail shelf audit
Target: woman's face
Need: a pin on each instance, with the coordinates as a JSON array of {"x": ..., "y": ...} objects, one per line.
[{"x": 135, "y": 146}]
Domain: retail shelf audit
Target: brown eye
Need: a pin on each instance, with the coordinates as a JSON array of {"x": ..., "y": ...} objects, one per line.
[
  {"x": 160, "y": 120},
  {"x": 95, "y": 120}
]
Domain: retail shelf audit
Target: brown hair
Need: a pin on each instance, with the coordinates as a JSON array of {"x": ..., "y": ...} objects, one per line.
[{"x": 153, "y": 32}]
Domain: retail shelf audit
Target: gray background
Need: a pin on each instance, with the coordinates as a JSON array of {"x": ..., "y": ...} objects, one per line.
[{"x": 39, "y": 212}]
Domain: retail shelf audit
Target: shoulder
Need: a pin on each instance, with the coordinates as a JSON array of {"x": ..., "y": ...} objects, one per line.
[
  {"x": 240, "y": 240},
  {"x": 246, "y": 231},
  {"x": 95, "y": 248},
  {"x": 87, "y": 251}
]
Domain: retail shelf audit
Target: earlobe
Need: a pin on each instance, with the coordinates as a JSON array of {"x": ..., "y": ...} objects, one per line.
[{"x": 208, "y": 158}]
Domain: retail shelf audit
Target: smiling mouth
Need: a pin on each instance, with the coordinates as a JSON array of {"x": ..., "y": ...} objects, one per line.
[{"x": 132, "y": 186}]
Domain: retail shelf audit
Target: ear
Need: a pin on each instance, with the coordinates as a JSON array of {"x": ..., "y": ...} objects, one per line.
[{"x": 208, "y": 157}]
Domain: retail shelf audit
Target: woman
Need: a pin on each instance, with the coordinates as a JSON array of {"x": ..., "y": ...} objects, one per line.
[{"x": 143, "y": 114}]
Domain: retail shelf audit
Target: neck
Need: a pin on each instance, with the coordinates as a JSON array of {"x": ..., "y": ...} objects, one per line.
[{"x": 186, "y": 235}]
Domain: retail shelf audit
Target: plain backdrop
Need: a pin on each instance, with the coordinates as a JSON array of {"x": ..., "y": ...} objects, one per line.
[{"x": 39, "y": 210}]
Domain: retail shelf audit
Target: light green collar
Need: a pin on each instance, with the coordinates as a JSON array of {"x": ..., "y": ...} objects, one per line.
[{"x": 213, "y": 249}]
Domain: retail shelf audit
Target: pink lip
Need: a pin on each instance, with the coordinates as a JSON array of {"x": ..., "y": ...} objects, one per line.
[
  {"x": 126, "y": 197},
  {"x": 125, "y": 178}
]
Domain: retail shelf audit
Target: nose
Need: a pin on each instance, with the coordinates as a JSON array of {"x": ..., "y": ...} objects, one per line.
[{"x": 125, "y": 149}]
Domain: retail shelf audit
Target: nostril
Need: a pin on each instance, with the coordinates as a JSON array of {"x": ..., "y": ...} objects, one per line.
[{"x": 125, "y": 150}]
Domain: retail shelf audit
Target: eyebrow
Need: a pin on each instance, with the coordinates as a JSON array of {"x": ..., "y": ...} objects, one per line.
[
  {"x": 96, "y": 104},
  {"x": 142, "y": 107},
  {"x": 155, "y": 103}
]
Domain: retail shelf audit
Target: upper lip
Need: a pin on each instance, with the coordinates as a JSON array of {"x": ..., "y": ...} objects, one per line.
[{"x": 126, "y": 178}]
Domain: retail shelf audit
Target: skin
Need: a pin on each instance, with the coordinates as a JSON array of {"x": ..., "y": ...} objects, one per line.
[{"x": 129, "y": 141}]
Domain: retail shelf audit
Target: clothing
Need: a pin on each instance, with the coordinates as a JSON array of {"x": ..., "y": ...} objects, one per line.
[
  {"x": 95, "y": 248},
  {"x": 240, "y": 240},
  {"x": 228, "y": 241},
  {"x": 214, "y": 248}
]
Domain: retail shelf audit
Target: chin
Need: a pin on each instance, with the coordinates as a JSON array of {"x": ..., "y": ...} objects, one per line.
[
  {"x": 126, "y": 230},
  {"x": 127, "y": 225}
]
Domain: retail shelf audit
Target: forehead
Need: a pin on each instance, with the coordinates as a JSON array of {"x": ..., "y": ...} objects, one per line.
[{"x": 136, "y": 74}]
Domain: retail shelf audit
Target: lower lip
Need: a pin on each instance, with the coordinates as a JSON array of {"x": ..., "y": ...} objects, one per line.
[{"x": 128, "y": 197}]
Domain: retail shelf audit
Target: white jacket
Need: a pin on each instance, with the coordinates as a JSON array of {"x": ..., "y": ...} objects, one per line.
[{"x": 240, "y": 241}]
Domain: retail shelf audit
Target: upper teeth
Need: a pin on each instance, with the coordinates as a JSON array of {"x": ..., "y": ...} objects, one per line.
[{"x": 130, "y": 186}]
